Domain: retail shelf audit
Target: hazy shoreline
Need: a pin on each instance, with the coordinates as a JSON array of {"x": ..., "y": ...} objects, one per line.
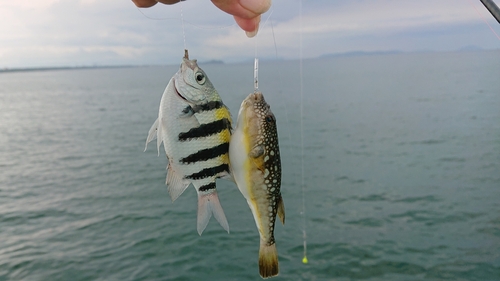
[{"x": 323, "y": 56}]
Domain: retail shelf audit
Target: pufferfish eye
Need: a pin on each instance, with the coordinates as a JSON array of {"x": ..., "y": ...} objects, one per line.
[
  {"x": 269, "y": 118},
  {"x": 200, "y": 78}
]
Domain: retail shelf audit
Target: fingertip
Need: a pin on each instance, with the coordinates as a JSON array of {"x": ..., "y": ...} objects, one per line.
[
  {"x": 144, "y": 3},
  {"x": 251, "y": 34},
  {"x": 169, "y": 2},
  {"x": 250, "y": 26}
]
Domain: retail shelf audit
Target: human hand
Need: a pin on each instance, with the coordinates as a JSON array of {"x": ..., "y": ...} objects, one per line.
[{"x": 246, "y": 13}]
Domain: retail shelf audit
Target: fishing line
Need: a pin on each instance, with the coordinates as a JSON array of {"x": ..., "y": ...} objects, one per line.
[
  {"x": 267, "y": 19},
  {"x": 284, "y": 98},
  {"x": 477, "y": 11},
  {"x": 304, "y": 234},
  {"x": 280, "y": 79},
  {"x": 255, "y": 69},
  {"x": 303, "y": 212},
  {"x": 187, "y": 22},
  {"x": 256, "y": 75},
  {"x": 183, "y": 29},
  {"x": 256, "y": 60}
]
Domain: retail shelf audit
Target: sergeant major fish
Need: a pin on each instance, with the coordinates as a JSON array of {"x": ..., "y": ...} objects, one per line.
[
  {"x": 256, "y": 167},
  {"x": 195, "y": 128}
]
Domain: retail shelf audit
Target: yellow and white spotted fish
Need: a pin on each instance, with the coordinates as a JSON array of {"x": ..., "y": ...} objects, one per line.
[
  {"x": 195, "y": 128},
  {"x": 256, "y": 167}
]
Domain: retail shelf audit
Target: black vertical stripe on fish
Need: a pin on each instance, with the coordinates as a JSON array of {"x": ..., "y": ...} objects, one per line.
[
  {"x": 205, "y": 130},
  {"x": 206, "y": 154},
  {"x": 209, "y": 172},
  {"x": 207, "y": 187},
  {"x": 188, "y": 111},
  {"x": 208, "y": 106}
]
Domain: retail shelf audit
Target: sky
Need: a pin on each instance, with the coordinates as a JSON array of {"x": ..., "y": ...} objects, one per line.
[{"x": 46, "y": 33}]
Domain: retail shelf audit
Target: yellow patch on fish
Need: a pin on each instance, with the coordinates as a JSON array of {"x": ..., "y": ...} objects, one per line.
[
  {"x": 224, "y": 136},
  {"x": 222, "y": 113},
  {"x": 259, "y": 163}
]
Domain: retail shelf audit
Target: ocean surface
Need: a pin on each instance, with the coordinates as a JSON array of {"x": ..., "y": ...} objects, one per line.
[{"x": 401, "y": 159}]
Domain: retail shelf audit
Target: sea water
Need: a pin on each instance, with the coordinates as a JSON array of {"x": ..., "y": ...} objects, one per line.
[{"x": 401, "y": 157}]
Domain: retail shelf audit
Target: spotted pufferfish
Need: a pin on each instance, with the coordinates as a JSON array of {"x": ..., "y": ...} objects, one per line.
[{"x": 256, "y": 167}]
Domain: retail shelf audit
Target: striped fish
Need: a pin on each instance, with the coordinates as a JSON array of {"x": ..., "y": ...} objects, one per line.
[
  {"x": 195, "y": 128},
  {"x": 256, "y": 167}
]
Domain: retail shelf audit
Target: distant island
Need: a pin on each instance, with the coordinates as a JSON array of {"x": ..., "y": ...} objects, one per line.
[
  {"x": 360, "y": 53},
  {"x": 21, "y": 69},
  {"x": 212, "y": 62},
  {"x": 467, "y": 48}
]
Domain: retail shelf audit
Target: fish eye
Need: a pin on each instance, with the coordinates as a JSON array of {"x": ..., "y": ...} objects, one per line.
[
  {"x": 269, "y": 118},
  {"x": 200, "y": 78}
]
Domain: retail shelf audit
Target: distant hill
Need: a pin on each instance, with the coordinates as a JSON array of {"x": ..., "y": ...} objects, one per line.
[
  {"x": 469, "y": 48},
  {"x": 61, "y": 68},
  {"x": 212, "y": 62},
  {"x": 360, "y": 53}
]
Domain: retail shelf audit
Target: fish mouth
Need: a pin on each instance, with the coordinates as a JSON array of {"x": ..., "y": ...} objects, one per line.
[
  {"x": 256, "y": 97},
  {"x": 256, "y": 100},
  {"x": 253, "y": 99}
]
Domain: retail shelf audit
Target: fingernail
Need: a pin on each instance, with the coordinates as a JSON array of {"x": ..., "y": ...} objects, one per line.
[{"x": 251, "y": 34}]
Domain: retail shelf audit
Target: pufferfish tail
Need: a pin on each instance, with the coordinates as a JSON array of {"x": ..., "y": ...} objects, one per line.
[{"x": 268, "y": 260}]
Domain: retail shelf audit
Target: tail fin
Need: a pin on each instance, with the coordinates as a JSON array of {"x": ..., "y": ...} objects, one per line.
[
  {"x": 208, "y": 204},
  {"x": 268, "y": 260}
]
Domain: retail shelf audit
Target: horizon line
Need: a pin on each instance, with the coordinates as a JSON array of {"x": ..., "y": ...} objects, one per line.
[{"x": 215, "y": 61}]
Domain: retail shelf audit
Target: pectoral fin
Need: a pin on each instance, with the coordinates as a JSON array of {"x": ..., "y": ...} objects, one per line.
[
  {"x": 187, "y": 112},
  {"x": 152, "y": 135},
  {"x": 257, "y": 151},
  {"x": 257, "y": 156},
  {"x": 175, "y": 183}
]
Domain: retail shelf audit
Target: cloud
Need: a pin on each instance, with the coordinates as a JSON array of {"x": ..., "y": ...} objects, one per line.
[
  {"x": 27, "y": 4},
  {"x": 341, "y": 27},
  {"x": 37, "y": 31}
]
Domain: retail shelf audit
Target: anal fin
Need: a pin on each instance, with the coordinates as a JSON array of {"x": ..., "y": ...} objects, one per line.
[{"x": 175, "y": 183}]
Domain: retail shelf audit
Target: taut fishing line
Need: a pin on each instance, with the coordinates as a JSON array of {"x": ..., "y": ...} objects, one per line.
[
  {"x": 187, "y": 22},
  {"x": 256, "y": 85},
  {"x": 256, "y": 60},
  {"x": 284, "y": 98},
  {"x": 303, "y": 212},
  {"x": 302, "y": 183},
  {"x": 183, "y": 29}
]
